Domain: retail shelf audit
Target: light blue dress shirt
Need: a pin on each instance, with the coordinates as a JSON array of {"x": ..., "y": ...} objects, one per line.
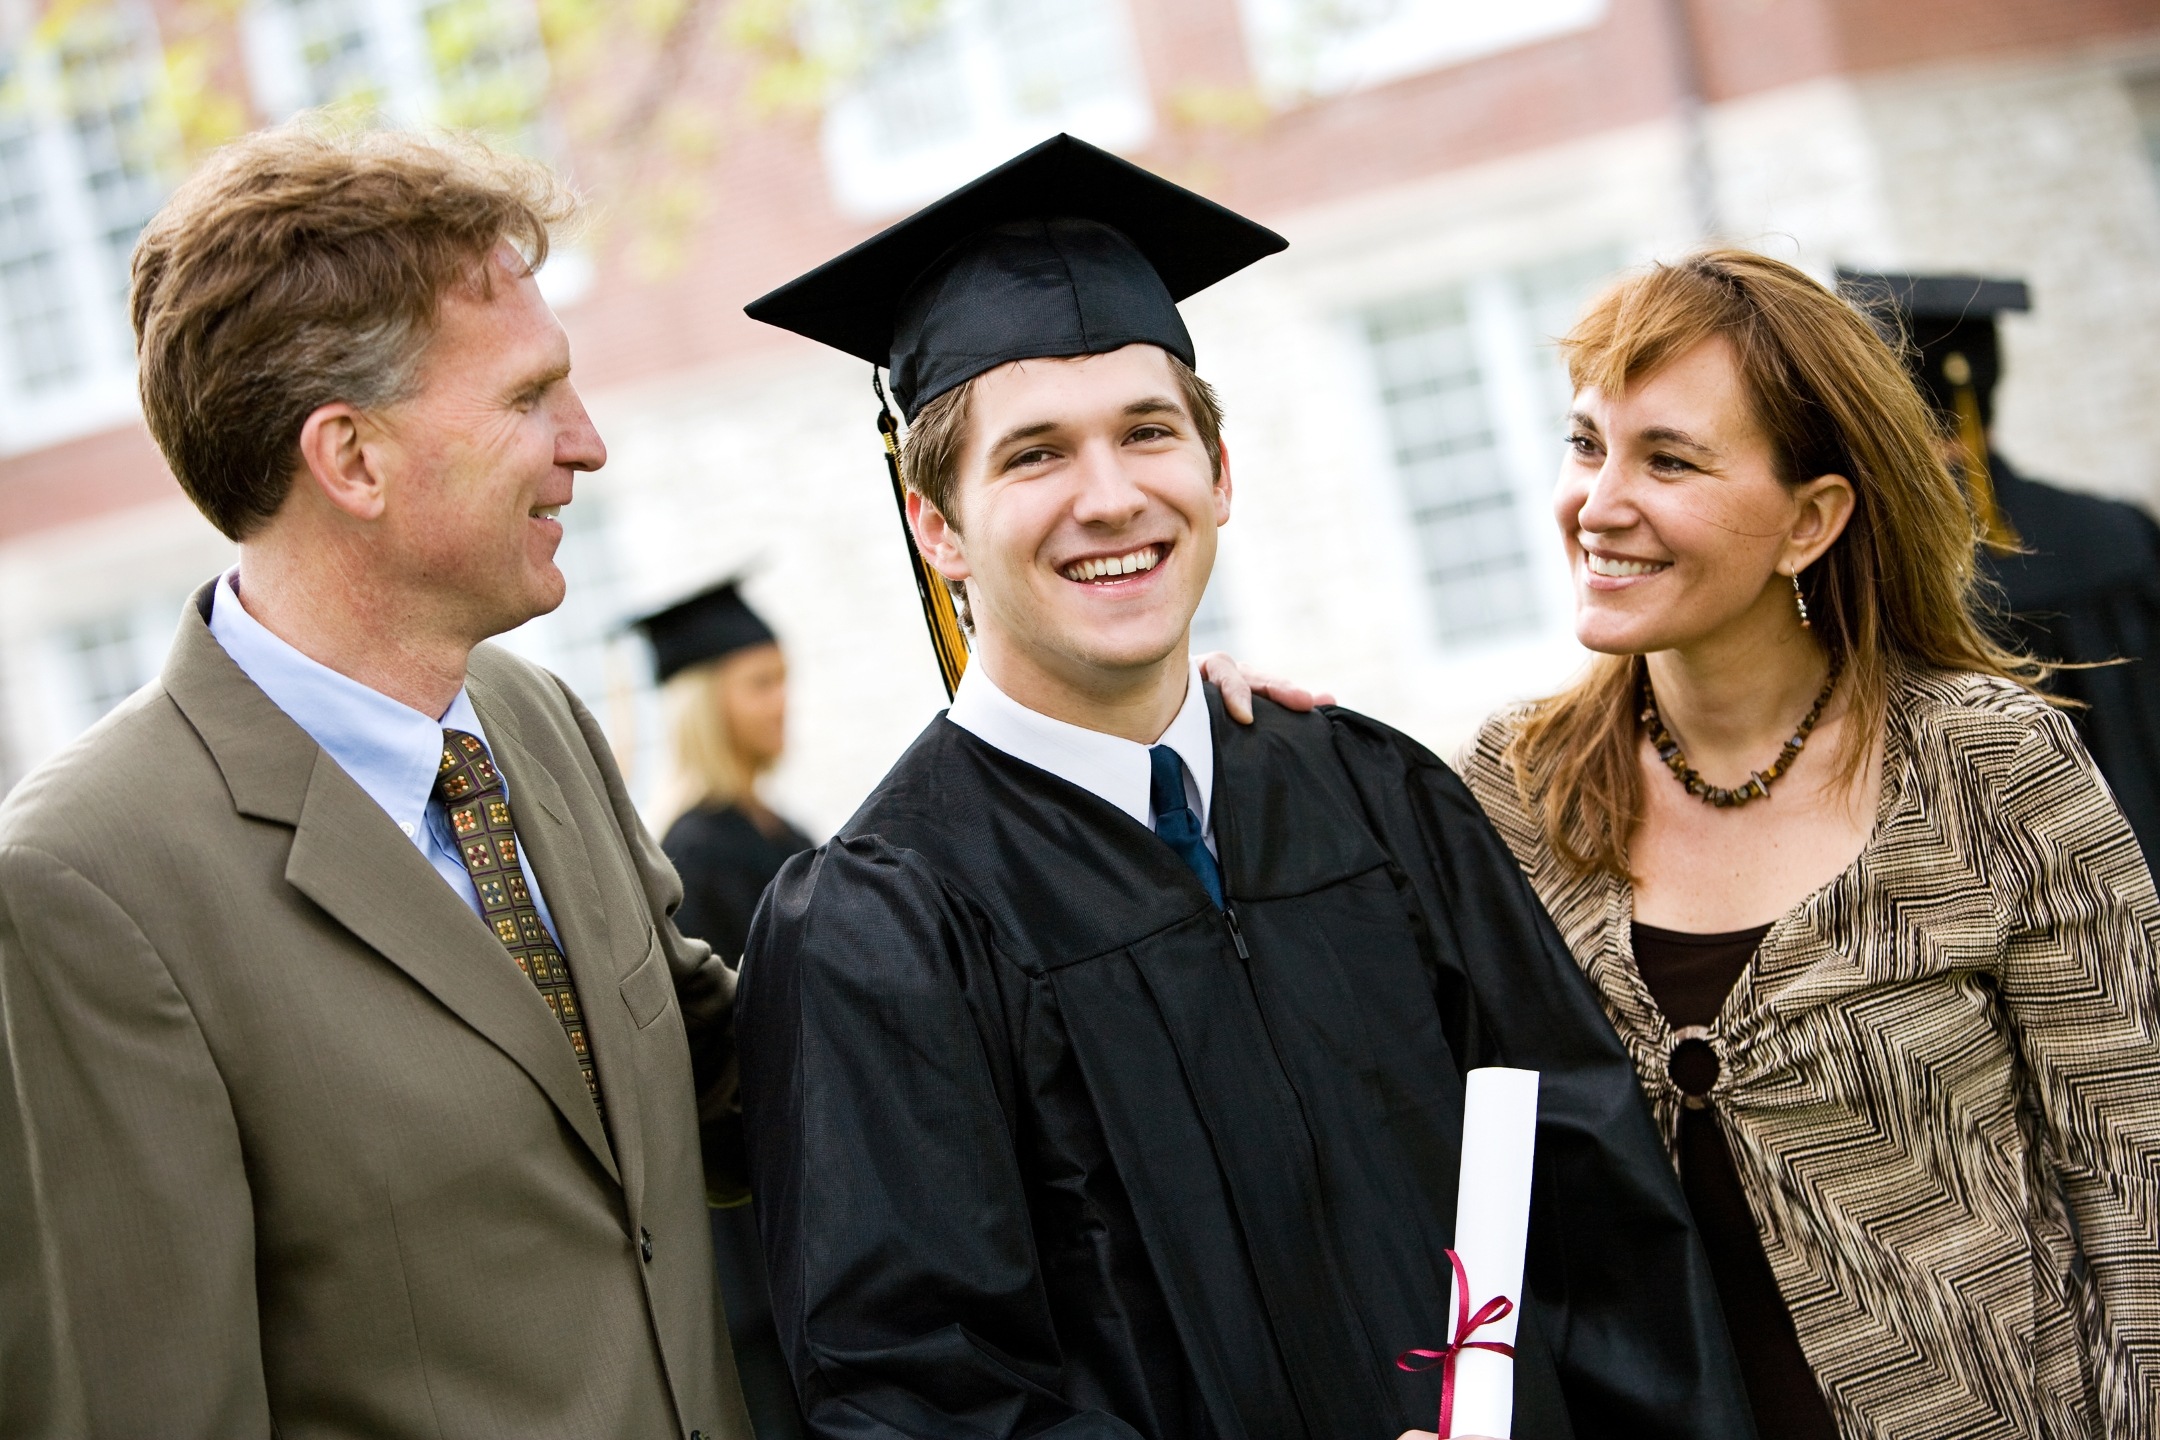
[{"x": 390, "y": 750}]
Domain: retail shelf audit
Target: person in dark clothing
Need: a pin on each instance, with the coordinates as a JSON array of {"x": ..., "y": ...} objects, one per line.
[
  {"x": 2076, "y": 576},
  {"x": 1104, "y": 1076},
  {"x": 725, "y": 681}
]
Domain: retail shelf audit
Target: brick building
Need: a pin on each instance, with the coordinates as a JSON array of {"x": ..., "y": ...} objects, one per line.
[{"x": 1454, "y": 179}]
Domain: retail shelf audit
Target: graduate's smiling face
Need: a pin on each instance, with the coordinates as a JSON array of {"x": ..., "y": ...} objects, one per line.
[{"x": 1087, "y": 507}]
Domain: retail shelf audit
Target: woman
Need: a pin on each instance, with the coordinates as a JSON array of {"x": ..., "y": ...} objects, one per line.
[
  {"x": 724, "y": 685},
  {"x": 1852, "y": 892}
]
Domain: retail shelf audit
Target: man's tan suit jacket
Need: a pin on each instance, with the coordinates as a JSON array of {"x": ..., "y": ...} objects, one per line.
[{"x": 289, "y": 1146}]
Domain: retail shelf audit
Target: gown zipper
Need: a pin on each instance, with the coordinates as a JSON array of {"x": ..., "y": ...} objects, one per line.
[{"x": 1237, "y": 936}]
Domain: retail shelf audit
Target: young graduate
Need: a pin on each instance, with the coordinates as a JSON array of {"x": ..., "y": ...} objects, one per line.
[{"x": 1104, "y": 1075}]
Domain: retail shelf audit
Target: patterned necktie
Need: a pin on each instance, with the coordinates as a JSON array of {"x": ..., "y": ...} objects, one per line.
[
  {"x": 1175, "y": 821},
  {"x": 472, "y": 791}
]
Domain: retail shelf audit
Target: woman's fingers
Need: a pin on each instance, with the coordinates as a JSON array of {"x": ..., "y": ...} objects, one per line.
[{"x": 1239, "y": 684}]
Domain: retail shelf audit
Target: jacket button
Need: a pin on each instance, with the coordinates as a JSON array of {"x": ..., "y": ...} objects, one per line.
[
  {"x": 697, "y": 1435},
  {"x": 645, "y": 1246}
]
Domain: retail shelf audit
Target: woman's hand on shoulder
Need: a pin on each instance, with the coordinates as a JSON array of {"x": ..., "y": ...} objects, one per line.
[{"x": 1239, "y": 685}]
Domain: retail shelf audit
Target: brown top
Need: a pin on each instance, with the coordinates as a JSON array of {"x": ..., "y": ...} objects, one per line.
[
  {"x": 1936, "y": 1077},
  {"x": 1689, "y": 976}
]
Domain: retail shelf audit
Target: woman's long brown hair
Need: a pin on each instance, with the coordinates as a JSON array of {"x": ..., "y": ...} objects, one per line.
[{"x": 1895, "y": 590}]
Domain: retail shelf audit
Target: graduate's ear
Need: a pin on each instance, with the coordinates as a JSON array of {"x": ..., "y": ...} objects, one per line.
[
  {"x": 336, "y": 462},
  {"x": 938, "y": 538},
  {"x": 1222, "y": 482}
]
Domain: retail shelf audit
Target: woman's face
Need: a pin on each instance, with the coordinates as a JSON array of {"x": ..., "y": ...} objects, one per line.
[
  {"x": 752, "y": 695},
  {"x": 1676, "y": 524}
]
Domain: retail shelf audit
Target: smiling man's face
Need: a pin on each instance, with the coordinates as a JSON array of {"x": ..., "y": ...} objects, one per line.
[
  {"x": 480, "y": 460},
  {"x": 1087, "y": 510}
]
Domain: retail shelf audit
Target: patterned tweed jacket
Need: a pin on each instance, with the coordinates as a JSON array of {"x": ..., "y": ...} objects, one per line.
[{"x": 1941, "y": 1079}]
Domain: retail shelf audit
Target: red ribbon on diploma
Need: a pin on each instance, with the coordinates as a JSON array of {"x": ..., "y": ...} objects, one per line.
[{"x": 1466, "y": 1325}]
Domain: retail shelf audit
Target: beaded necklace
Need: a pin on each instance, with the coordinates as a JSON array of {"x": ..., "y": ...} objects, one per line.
[{"x": 1756, "y": 786}]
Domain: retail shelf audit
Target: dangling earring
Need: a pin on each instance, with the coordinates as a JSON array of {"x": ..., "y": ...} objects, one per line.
[{"x": 1800, "y": 601}]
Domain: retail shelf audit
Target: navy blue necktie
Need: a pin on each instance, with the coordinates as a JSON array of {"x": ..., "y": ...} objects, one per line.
[{"x": 1175, "y": 821}]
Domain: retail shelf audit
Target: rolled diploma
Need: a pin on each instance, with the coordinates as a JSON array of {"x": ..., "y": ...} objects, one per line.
[{"x": 1492, "y": 1222}]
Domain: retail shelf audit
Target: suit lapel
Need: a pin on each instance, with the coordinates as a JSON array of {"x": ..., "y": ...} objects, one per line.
[
  {"x": 555, "y": 848},
  {"x": 351, "y": 860}
]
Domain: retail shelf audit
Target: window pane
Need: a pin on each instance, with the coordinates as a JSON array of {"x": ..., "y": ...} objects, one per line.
[
  {"x": 917, "y": 93},
  {"x": 1307, "y": 47},
  {"x": 40, "y": 321},
  {"x": 339, "y": 62},
  {"x": 1461, "y": 499},
  {"x": 103, "y": 655},
  {"x": 1055, "y": 54},
  {"x": 490, "y": 67},
  {"x": 109, "y": 70}
]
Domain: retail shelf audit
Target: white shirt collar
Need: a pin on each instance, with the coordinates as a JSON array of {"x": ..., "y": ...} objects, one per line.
[
  {"x": 390, "y": 750},
  {"x": 1109, "y": 766}
]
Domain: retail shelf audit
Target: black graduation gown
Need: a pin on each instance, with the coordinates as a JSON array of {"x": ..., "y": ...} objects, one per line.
[
  {"x": 1044, "y": 1143},
  {"x": 726, "y": 861},
  {"x": 2088, "y": 589}
]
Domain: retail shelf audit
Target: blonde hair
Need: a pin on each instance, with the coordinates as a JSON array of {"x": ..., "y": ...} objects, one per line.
[
  {"x": 1895, "y": 590},
  {"x": 709, "y": 769}
]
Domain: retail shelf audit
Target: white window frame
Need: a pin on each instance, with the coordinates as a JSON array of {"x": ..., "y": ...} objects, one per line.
[
  {"x": 869, "y": 179},
  {"x": 1506, "y": 340},
  {"x": 146, "y": 626},
  {"x": 102, "y": 391},
  {"x": 395, "y": 32},
  {"x": 1306, "y": 48}
]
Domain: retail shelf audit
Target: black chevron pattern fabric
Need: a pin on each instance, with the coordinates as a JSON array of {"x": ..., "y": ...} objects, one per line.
[{"x": 1940, "y": 1078}]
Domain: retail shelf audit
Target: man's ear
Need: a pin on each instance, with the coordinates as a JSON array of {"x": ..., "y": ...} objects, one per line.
[
  {"x": 1825, "y": 508},
  {"x": 938, "y": 538},
  {"x": 336, "y": 461},
  {"x": 1222, "y": 482}
]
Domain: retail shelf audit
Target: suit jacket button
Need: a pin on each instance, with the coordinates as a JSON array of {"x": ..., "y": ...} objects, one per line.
[{"x": 645, "y": 1243}]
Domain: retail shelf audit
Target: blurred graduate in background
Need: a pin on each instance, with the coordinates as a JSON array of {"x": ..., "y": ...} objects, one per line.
[
  {"x": 724, "y": 688},
  {"x": 723, "y": 685},
  {"x": 2077, "y": 577}
]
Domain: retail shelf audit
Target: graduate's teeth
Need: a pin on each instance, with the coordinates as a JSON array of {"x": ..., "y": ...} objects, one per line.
[
  {"x": 1600, "y": 565},
  {"x": 1147, "y": 557},
  {"x": 545, "y": 512}
]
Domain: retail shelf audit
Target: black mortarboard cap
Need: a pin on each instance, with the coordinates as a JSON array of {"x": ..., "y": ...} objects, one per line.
[
  {"x": 1936, "y": 317},
  {"x": 1065, "y": 250},
  {"x": 712, "y": 623}
]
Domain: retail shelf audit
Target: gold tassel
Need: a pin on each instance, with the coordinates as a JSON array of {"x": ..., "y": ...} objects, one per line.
[
  {"x": 947, "y": 639},
  {"x": 1996, "y": 531}
]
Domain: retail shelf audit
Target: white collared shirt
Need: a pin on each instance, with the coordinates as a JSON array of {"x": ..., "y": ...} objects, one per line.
[
  {"x": 390, "y": 750},
  {"x": 1108, "y": 766}
]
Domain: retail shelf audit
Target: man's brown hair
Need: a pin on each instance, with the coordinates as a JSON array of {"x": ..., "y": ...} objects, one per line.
[
  {"x": 299, "y": 268},
  {"x": 1895, "y": 591}
]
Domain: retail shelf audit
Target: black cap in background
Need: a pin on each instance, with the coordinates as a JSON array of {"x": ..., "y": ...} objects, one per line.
[
  {"x": 1948, "y": 321},
  {"x": 1065, "y": 250},
  {"x": 712, "y": 623}
]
